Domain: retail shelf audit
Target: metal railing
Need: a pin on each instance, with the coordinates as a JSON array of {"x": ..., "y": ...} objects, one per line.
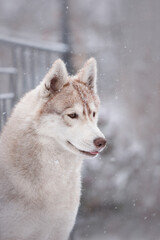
[{"x": 29, "y": 62}]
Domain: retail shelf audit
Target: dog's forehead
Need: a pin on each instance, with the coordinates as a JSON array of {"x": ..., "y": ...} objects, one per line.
[
  {"x": 78, "y": 107},
  {"x": 85, "y": 94},
  {"x": 74, "y": 95}
]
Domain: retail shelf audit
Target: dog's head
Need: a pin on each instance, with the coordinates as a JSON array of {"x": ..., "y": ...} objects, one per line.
[{"x": 69, "y": 112}]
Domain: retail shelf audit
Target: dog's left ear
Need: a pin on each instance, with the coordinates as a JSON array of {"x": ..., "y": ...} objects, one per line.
[
  {"x": 88, "y": 74},
  {"x": 54, "y": 79}
]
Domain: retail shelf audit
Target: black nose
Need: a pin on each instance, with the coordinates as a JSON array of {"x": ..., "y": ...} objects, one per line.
[{"x": 100, "y": 142}]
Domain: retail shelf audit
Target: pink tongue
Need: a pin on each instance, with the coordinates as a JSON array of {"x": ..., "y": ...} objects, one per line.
[{"x": 94, "y": 153}]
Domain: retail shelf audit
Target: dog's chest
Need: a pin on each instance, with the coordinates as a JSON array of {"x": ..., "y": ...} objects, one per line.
[
  {"x": 60, "y": 198},
  {"x": 62, "y": 187}
]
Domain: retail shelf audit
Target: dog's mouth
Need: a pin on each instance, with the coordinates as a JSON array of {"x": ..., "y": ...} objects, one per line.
[{"x": 84, "y": 152}]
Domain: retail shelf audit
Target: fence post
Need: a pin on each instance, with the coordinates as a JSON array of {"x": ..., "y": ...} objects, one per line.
[{"x": 66, "y": 35}]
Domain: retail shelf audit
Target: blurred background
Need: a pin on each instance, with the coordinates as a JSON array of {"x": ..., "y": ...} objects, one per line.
[{"x": 121, "y": 189}]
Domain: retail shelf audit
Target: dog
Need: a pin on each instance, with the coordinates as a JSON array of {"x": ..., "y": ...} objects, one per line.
[{"x": 42, "y": 146}]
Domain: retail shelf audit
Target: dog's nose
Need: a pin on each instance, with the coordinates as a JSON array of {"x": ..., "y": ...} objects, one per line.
[{"x": 100, "y": 142}]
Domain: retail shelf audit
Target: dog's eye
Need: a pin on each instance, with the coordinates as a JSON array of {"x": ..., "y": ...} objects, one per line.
[
  {"x": 94, "y": 114},
  {"x": 73, "y": 115}
]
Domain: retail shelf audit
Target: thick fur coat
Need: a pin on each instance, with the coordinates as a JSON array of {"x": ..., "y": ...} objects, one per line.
[{"x": 42, "y": 146}]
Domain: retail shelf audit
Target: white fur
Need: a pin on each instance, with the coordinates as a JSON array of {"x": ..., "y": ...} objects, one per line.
[{"x": 40, "y": 180}]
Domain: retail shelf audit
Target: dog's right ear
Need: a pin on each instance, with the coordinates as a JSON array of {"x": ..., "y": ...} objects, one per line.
[{"x": 54, "y": 79}]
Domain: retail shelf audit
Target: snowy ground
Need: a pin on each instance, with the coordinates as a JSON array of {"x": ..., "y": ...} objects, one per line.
[{"x": 117, "y": 226}]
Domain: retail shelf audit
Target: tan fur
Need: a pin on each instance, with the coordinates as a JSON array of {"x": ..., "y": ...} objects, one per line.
[{"x": 39, "y": 170}]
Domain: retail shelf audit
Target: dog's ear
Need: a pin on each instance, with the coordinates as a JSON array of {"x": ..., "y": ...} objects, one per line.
[
  {"x": 88, "y": 74},
  {"x": 54, "y": 79}
]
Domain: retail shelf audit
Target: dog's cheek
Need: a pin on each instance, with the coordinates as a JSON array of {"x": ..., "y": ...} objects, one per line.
[
  {"x": 96, "y": 119},
  {"x": 68, "y": 122}
]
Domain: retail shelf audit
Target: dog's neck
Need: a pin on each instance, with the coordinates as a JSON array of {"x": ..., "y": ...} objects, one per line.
[{"x": 43, "y": 164}]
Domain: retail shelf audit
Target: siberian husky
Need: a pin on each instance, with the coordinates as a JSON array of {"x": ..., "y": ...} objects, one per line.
[{"x": 42, "y": 146}]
